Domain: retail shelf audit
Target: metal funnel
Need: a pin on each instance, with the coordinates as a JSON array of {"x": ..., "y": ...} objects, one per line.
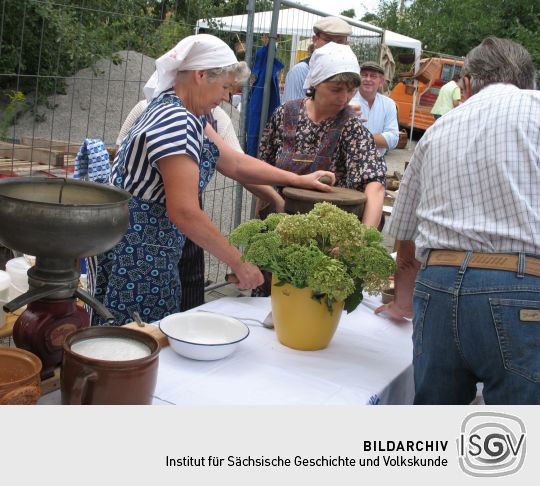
[{"x": 61, "y": 218}]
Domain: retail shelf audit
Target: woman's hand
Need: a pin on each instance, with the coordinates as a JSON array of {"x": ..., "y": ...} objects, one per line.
[
  {"x": 279, "y": 204},
  {"x": 267, "y": 197},
  {"x": 246, "y": 276},
  {"x": 373, "y": 209},
  {"x": 312, "y": 181}
]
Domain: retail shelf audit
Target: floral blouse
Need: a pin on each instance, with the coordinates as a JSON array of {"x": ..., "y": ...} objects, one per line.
[{"x": 355, "y": 162}]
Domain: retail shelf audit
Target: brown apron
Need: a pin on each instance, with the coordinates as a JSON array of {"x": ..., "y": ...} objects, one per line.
[
  {"x": 305, "y": 163},
  {"x": 321, "y": 156}
]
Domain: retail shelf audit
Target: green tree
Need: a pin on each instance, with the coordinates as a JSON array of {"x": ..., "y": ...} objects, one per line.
[
  {"x": 349, "y": 13},
  {"x": 44, "y": 41},
  {"x": 386, "y": 16},
  {"x": 16, "y": 98},
  {"x": 456, "y": 26},
  {"x": 49, "y": 39}
]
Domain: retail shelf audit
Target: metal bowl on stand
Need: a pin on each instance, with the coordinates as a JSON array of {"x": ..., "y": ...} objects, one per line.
[{"x": 61, "y": 218}]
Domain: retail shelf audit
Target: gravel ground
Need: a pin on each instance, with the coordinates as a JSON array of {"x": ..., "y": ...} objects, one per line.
[{"x": 395, "y": 161}]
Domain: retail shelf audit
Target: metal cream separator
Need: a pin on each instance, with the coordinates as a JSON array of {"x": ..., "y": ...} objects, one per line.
[{"x": 59, "y": 221}]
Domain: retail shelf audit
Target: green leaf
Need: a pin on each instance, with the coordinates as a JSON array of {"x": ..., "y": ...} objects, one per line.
[
  {"x": 355, "y": 299},
  {"x": 317, "y": 297}
]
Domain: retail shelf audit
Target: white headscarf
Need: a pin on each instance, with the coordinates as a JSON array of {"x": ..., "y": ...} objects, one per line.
[
  {"x": 195, "y": 52},
  {"x": 329, "y": 60}
]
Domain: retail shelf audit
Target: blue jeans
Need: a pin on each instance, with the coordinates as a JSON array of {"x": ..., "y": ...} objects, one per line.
[{"x": 475, "y": 325}]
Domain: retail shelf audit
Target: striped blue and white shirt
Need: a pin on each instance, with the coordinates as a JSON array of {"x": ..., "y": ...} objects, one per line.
[
  {"x": 165, "y": 128},
  {"x": 294, "y": 82}
]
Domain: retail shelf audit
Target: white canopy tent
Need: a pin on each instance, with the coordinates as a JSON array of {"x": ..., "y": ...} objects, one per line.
[
  {"x": 299, "y": 23},
  {"x": 393, "y": 39}
]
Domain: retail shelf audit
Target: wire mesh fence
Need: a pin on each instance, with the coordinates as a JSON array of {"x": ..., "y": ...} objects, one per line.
[{"x": 73, "y": 69}]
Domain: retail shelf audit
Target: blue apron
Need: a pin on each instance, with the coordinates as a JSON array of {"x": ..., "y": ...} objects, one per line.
[{"x": 141, "y": 272}]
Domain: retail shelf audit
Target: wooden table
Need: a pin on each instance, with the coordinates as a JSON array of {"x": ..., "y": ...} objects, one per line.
[{"x": 7, "y": 329}]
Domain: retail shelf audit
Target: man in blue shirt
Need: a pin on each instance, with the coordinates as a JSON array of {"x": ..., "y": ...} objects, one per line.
[
  {"x": 379, "y": 110},
  {"x": 325, "y": 30}
]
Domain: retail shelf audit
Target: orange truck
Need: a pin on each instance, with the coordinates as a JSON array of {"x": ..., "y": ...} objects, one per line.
[{"x": 433, "y": 73}]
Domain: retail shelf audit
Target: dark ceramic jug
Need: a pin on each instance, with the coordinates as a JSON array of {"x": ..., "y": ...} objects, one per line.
[{"x": 90, "y": 381}]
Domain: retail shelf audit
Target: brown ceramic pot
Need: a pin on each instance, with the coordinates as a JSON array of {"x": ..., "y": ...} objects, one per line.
[
  {"x": 19, "y": 377},
  {"x": 90, "y": 381},
  {"x": 387, "y": 296},
  {"x": 303, "y": 200}
]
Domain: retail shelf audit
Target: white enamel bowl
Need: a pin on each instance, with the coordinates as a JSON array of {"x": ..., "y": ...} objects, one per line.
[{"x": 203, "y": 336}]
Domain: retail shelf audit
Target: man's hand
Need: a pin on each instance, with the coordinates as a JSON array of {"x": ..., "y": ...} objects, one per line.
[
  {"x": 407, "y": 267},
  {"x": 358, "y": 112},
  {"x": 394, "y": 311}
]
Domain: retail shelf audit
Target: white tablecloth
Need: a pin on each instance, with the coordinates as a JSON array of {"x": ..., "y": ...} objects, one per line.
[{"x": 369, "y": 361}]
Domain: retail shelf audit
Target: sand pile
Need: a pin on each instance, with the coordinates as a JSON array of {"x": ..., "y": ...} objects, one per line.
[{"x": 95, "y": 104}]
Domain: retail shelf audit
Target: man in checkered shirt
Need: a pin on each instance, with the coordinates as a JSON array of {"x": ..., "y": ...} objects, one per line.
[{"x": 469, "y": 206}]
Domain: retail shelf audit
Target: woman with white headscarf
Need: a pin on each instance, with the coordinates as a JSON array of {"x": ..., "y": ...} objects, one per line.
[
  {"x": 322, "y": 131},
  {"x": 162, "y": 164}
]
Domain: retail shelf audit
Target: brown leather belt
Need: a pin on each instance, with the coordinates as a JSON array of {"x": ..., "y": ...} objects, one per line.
[{"x": 489, "y": 261}]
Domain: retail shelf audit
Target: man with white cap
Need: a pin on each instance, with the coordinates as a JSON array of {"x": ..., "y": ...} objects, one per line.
[
  {"x": 379, "y": 110},
  {"x": 165, "y": 162},
  {"x": 325, "y": 30}
]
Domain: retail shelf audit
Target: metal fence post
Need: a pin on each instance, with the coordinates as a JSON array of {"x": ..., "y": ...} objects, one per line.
[
  {"x": 239, "y": 189},
  {"x": 268, "y": 78},
  {"x": 269, "y": 66}
]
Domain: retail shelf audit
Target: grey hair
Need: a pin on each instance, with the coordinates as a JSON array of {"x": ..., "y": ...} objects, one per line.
[
  {"x": 239, "y": 70},
  {"x": 497, "y": 60}
]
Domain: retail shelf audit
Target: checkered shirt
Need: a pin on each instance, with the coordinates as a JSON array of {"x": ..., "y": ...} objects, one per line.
[{"x": 473, "y": 182}]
